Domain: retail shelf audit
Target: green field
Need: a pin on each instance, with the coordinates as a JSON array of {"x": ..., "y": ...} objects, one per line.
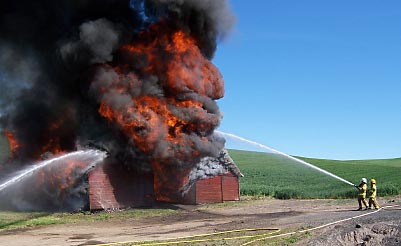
[{"x": 279, "y": 177}]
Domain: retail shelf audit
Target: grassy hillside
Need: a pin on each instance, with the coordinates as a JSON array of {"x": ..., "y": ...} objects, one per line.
[{"x": 280, "y": 177}]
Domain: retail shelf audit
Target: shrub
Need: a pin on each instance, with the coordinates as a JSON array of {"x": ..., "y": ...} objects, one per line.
[
  {"x": 388, "y": 190},
  {"x": 287, "y": 194}
]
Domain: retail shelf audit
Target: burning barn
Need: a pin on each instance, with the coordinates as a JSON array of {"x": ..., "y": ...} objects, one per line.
[
  {"x": 215, "y": 180},
  {"x": 112, "y": 187},
  {"x": 134, "y": 76}
]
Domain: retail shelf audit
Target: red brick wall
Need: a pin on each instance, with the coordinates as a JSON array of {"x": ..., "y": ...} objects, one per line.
[
  {"x": 217, "y": 189},
  {"x": 111, "y": 187},
  {"x": 230, "y": 186},
  {"x": 209, "y": 190}
]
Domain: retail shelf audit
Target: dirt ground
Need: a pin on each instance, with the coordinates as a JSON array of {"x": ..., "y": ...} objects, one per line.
[{"x": 380, "y": 228}]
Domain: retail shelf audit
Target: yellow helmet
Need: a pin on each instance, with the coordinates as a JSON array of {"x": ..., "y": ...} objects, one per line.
[{"x": 373, "y": 181}]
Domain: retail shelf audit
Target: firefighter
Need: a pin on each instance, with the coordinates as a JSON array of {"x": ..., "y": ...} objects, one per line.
[
  {"x": 362, "y": 187},
  {"x": 372, "y": 195}
]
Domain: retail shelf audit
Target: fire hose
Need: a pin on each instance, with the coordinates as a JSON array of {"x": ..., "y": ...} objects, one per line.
[
  {"x": 182, "y": 239},
  {"x": 259, "y": 237},
  {"x": 317, "y": 227}
]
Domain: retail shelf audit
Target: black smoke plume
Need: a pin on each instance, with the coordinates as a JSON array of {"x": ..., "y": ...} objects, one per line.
[
  {"x": 48, "y": 47},
  {"x": 52, "y": 51}
]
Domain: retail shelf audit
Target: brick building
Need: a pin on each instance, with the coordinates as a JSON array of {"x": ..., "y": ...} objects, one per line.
[{"x": 113, "y": 187}]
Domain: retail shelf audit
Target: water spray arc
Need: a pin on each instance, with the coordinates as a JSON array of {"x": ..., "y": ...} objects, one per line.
[
  {"x": 283, "y": 154},
  {"x": 96, "y": 154}
]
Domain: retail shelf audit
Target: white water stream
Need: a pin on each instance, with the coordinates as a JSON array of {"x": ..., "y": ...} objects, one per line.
[
  {"x": 283, "y": 154},
  {"x": 91, "y": 156}
]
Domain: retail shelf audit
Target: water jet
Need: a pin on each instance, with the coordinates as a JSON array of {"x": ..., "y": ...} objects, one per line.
[
  {"x": 233, "y": 136},
  {"x": 92, "y": 156}
]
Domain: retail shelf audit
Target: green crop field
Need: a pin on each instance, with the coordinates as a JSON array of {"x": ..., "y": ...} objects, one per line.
[{"x": 277, "y": 176}]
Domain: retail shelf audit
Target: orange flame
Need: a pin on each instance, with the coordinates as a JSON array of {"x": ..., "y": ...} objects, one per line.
[
  {"x": 53, "y": 144},
  {"x": 169, "y": 125},
  {"x": 157, "y": 121},
  {"x": 187, "y": 69},
  {"x": 61, "y": 177},
  {"x": 12, "y": 141}
]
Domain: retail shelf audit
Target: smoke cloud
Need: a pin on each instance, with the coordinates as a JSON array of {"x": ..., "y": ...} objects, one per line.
[
  {"x": 14, "y": 67},
  {"x": 131, "y": 76},
  {"x": 97, "y": 39}
]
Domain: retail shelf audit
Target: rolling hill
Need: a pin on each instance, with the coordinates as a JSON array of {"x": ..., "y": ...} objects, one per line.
[{"x": 277, "y": 176}]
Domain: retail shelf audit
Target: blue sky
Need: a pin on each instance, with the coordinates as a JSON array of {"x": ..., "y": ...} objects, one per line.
[{"x": 314, "y": 78}]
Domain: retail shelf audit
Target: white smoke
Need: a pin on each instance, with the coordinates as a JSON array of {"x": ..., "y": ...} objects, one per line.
[{"x": 213, "y": 166}]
